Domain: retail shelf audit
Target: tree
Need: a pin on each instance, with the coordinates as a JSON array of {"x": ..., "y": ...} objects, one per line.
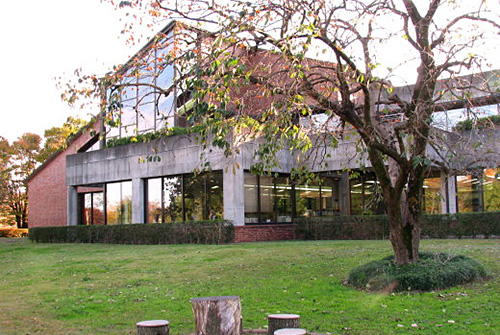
[
  {"x": 56, "y": 138},
  {"x": 5, "y": 153},
  {"x": 23, "y": 161},
  {"x": 306, "y": 58}
]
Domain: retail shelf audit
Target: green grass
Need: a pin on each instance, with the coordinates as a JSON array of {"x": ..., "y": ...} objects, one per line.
[{"x": 105, "y": 289}]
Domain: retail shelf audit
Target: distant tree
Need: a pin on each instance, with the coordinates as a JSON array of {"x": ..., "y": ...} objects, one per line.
[
  {"x": 56, "y": 138},
  {"x": 24, "y": 159},
  {"x": 6, "y": 217}
]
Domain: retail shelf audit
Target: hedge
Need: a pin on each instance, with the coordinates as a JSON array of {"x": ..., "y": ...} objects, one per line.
[
  {"x": 364, "y": 227},
  {"x": 201, "y": 232},
  {"x": 13, "y": 232}
]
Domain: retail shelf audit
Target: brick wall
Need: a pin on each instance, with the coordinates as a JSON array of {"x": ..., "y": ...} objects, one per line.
[
  {"x": 47, "y": 190},
  {"x": 264, "y": 233}
]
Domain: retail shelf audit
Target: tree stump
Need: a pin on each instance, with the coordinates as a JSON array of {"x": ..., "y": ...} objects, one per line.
[
  {"x": 153, "y": 327},
  {"x": 290, "y": 331},
  {"x": 280, "y": 321},
  {"x": 217, "y": 315}
]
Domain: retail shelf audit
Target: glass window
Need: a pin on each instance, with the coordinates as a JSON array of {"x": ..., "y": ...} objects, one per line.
[
  {"x": 468, "y": 193},
  {"x": 172, "y": 199},
  {"x": 491, "y": 189},
  {"x": 308, "y": 198},
  {"x": 119, "y": 203},
  {"x": 266, "y": 199},
  {"x": 365, "y": 195},
  {"x": 154, "y": 208},
  {"x": 330, "y": 196},
  {"x": 432, "y": 195},
  {"x": 185, "y": 198},
  {"x": 251, "y": 189},
  {"x": 283, "y": 199}
]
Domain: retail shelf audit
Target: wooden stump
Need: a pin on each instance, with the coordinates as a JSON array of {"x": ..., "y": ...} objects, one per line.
[
  {"x": 290, "y": 331},
  {"x": 153, "y": 327},
  {"x": 217, "y": 315},
  {"x": 280, "y": 321}
]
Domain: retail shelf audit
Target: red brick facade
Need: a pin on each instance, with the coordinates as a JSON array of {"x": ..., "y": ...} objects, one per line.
[
  {"x": 47, "y": 190},
  {"x": 259, "y": 233}
]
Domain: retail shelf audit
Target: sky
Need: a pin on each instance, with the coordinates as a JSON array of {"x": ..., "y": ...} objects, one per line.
[{"x": 44, "y": 40}]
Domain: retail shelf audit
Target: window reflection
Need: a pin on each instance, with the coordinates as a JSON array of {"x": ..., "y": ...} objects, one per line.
[
  {"x": 185, "y": 198},
  {"x": 119, "y": 203}
]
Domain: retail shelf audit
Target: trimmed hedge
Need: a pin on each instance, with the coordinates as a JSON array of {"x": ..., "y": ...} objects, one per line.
[
  {"x": 364, "y": 227},
  {"x": 432, "y": 271},
  {"x": 200, "y": 232},
  {"x": 13, "y": 232}
]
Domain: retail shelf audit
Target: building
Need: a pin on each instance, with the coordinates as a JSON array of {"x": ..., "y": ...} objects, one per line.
[{"x": 94, "y": 182}]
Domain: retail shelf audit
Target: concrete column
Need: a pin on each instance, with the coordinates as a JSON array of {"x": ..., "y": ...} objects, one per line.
[
  {"x": 72, "y": 206},
  {"x": 345, "y": 195},
  {"x": 449, "y": 192},
  {"x": 138, "y": 198},
  {"x": 234, "y": 195}
]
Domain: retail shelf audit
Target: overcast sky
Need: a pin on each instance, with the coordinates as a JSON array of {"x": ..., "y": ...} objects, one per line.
[{"x": 42, "y": 40}]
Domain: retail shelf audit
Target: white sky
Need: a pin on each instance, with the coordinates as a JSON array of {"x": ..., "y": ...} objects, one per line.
[{"x": 42, "y": 40}]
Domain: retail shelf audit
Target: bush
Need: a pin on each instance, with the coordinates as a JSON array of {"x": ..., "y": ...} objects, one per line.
[
  {"x": 433, "y": 271},
  {"x": 200, "y": 232},
  {"x": 13, "y": 232},
  {"x": 363, "y": 227},
  {"x": 353, "y": 227}
]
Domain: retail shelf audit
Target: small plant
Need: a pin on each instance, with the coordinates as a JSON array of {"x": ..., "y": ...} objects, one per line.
[{"x": 433, "y": 271}]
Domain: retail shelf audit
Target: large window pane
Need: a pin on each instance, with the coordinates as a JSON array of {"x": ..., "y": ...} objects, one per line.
[
  {"x": 154, "y": 210},
  {"x": 432, "y": 195},
  {"x": 283, "y": 199},
  {"x": 491, "y": 188},
  {"x": 365, "y": 195},
  {"x": 308, "y": 200},
  {"x": 267, "y": 199},
  {"x": 214, "y": 196},
  {"x": 119, "y": 203},
  {"x": 330, "y": 196},
  {"x": 468, "y": 193},
  {"x": 172, "y": 199},
  {"x": 251, "y": 190}
]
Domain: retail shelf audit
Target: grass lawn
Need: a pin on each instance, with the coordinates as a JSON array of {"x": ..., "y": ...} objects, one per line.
[{"x": 105, "y": 289}]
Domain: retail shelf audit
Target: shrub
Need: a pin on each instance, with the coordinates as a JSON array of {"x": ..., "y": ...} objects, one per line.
[
  {"x": 433, "y": 271},
  {"x": 201, "y": 232},
  {"x": 491, "y": 121},
  {"x": 359, "y": 227},
  {"x": 13, "y": 232}
]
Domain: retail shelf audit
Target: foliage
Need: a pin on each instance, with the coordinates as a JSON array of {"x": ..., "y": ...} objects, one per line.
[
  {"x": 200, "y": 232},
  {"x": 19, "y": 160},
  {"x": 148, "y": 137},
  {"x": 486, "y": 122},
  {"x": 56, "y": 138},
  {"x": 433, "y": 271},
  {"x": 66, "y": 289},
  {"x": 13, "y": 232}
]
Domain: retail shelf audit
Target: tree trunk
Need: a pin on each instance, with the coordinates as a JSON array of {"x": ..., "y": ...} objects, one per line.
[
  {"x": 280, "y": 321},
  {"x": 153, "y": 327},
  {"x": 404, "y": 225},
  {"x": 217, "y": 315}
]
